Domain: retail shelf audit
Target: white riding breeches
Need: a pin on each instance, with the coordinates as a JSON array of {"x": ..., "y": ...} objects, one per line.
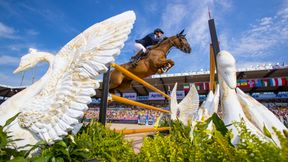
[{"x": 139, "y": 47}]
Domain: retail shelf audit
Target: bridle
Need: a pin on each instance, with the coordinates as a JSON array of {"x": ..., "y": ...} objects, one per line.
[{"x": 180, "y": 41}]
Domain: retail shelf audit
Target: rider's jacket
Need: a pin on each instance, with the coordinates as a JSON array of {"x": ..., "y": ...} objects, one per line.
[{"x": 148, "y": 40}]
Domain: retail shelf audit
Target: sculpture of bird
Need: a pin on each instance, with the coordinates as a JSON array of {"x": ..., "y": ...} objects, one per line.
[
  {"x": 240, "y": 106},
  {"x": 53, "y": 105}
]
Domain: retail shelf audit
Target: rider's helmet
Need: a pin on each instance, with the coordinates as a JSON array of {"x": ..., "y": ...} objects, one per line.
[{"x": 158, "y": 30}]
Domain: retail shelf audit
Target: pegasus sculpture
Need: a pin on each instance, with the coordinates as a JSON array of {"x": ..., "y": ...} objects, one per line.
[{"x": 53, "y": 105}]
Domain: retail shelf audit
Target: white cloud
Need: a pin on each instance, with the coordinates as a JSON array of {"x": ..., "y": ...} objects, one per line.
[
  {"x": 265, "y": 21},
  {"x": 31, "y": 32},
  {"x": 7, "y": 32},
  {"x": 173, "y": 15},
  {"x": 262, "y": 37},
  {"x": 225, "y": 4},
  {"x": 193, "y": 16},
  {"x": 8, "y": 60}
]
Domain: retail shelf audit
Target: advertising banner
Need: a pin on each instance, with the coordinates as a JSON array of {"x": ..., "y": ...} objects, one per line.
[
  {"x": 155, "y": 96},
  {"x": 180, "y": 94},
  {"x": 131, "y": 96}
]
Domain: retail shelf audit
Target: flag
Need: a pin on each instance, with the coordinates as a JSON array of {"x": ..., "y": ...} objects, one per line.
[
  {"x": 244, "y": 83},
  {"x": 265, "y": 82},
  {"x": 238, "y": 83},
  {"x": 198, "y": 86},
  {"x": 272, "y": 82},
  {"x": 285, "y": 80},
  {"x": 251, "y": 83},
  {"x": 280, "y": 83},
  {"x": 258, "y": 83},
  {"x": 186, "y": 87},
  {"x": 205, "y": 86},
  {"x": 276, "y": 81}
]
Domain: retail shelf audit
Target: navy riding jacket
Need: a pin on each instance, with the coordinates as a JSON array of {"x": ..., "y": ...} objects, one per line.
[{"x": 149, "y": 40}]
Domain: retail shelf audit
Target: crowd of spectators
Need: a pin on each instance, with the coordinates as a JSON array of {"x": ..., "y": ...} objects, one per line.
[
  {"x": 275, "y": 104},
  {"x": 126, "y": 112},
  {"x": 282, "y": 114},
  {"x": 279, "y": 108},
  {"x": 123, "y": 113}
]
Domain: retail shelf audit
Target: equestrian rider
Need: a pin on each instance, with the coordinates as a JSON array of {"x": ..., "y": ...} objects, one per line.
[{"x": 142, "y": 44}]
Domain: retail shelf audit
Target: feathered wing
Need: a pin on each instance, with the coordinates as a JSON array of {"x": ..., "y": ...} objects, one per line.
[
  {"x": 208, "y": 105},
  {"x": 57, "y": 110},
  {"x": 212, "y": 102},
  {"x": 189, "y": 105},
  {"x": 106, "y": 38},
  {"x": 260, "y": 115},
  {"x": 174, "y": 103},
  {"x": 216, "y": 99}
]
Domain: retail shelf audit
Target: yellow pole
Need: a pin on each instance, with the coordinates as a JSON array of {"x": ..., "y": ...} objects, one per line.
[
  {"x": 142, "y": 130},
  {"x": 212, "y": 70},
  {"x": 139, "y": 80},
  {"x": 131, "y": 102}
]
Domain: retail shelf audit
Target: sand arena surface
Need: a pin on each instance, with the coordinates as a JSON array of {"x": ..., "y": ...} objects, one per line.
[{"x": 136, "y": 139}]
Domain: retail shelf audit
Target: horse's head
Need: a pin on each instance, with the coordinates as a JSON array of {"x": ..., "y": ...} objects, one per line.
[{"x": 181, "y": 42}]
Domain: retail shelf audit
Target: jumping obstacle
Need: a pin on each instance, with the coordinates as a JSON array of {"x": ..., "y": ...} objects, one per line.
[
  {"x": 134, "y": 103},
  {"x": 139, "y": 80},
  {"x": 103, "y": 107}
]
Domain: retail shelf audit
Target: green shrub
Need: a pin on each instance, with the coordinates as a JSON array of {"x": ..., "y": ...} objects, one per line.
[
  {"x": 8, "y": 151},
  {"x": 104, "y": 144},
  {"x": 64, "y": 150},
  {"x": 93, "y": 141},
  {"x": 211, "y": 145}
]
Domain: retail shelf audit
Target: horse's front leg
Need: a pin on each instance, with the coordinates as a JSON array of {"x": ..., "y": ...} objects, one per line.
[
  {"x": 166, "y": 66},
  {"x": 170, "y": 64}
]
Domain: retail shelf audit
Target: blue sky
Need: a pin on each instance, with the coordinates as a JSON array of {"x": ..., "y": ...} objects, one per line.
[{"x": 255, "y": 32}]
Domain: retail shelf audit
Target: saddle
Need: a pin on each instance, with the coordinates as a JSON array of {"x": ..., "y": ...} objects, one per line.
[{"x": 139, "y": 56}]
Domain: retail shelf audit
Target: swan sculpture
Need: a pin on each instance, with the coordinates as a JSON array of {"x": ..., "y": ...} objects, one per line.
[
  {"x": 186, "y": 107},
  {"x": 53, "y": 105},
  {"x": 239, "y": 106}
]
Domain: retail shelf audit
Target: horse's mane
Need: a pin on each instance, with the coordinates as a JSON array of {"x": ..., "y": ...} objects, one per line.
[{"x": 158, "y": 44}]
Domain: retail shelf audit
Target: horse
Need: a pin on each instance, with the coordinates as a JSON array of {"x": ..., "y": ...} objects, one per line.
[{"x": 155, "y": 62}]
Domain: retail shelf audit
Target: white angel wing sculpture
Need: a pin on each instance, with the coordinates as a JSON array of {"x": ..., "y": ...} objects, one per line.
[
  {"x": 54, "y": 104},
  {"x": 210, "y": 105},
  {"x": 174, "y": 103},
  {"x": 189, "y": 105},
  {"x": 186, "y": 107}
]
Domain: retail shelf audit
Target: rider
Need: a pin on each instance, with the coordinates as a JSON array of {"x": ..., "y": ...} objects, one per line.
[{"x": 148, "y": 40}]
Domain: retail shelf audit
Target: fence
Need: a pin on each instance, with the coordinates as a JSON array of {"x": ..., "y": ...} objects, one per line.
[{"x": 104, "y": 103}]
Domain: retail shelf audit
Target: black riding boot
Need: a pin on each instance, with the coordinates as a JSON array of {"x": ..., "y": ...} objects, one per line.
[{"x": 135, "y": 59}]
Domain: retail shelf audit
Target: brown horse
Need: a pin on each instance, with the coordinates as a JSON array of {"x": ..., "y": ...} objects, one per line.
[{"x": 155, "y": 62}]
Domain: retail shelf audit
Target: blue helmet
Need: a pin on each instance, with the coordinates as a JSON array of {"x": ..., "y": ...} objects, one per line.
[{"x": 158, "y": 30}]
